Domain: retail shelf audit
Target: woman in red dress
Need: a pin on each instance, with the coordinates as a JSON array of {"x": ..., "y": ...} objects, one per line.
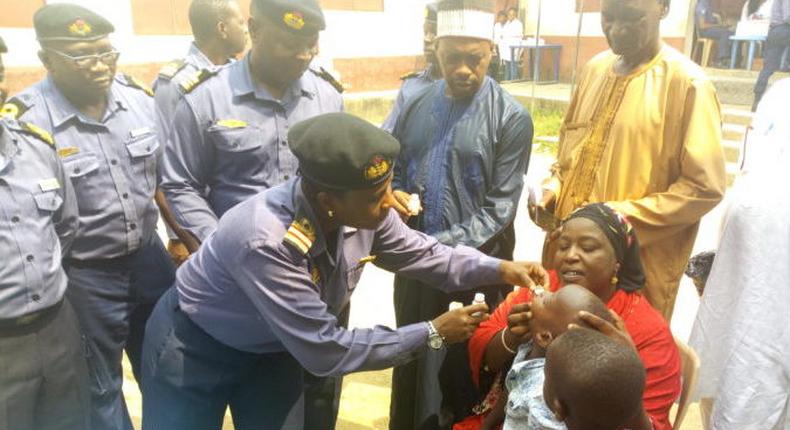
[{"x": 599, "y": 251}]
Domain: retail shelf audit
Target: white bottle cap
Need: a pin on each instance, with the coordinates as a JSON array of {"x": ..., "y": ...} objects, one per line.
[{"x": 479, "y": 298}]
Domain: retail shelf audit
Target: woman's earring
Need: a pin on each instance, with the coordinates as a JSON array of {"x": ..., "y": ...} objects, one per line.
[
  {"x": 330, "y": 214},
  {"x": 615, "y": 280}
]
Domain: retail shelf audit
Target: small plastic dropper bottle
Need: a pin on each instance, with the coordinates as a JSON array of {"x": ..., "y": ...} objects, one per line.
[{"x": 480, "y": 298}]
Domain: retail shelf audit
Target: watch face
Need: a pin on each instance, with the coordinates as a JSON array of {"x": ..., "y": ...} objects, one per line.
[{"x": 435, "y": 342}]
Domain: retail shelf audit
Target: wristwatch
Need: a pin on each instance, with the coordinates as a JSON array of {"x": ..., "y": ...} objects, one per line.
[{"x": 435, "y": 340}]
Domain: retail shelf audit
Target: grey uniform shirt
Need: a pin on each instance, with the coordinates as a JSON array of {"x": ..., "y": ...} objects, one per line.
[
  {"x": 112, "y": 164},
  {"x": 229, "y": 142},
  {"x": 780, "y": 12},
  {"x": 166, "y": 87},
  {"x": 38, "y": 220},
  {"x": 264, "y": 282}
]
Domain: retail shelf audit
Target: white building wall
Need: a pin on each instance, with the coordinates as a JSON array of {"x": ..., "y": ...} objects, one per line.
[
  {"x": 395, "y": 32},
  {"x": 559, "y": 18}
]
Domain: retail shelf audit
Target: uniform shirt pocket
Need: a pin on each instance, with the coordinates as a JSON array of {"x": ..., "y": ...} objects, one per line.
[
  {"x": 142, "y": 144},
  {"x": 48, "y": 201},
  {"x": 80, "y": 165},
  {"x": 239, "y": 138}
]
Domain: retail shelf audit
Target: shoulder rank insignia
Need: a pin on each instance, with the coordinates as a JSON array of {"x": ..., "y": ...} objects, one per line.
[
  {"x": 13, "y": 109},
  {"x": 38, "y": 132},
  {"x": 323, "y": 74},
  {"x": 300, "y": 235},
  {"x": 133, "y": 82},
  {"x": 190, "y": 83},
  {"x": 409, "y": 75},
  {"x": 172, "y": 68}
]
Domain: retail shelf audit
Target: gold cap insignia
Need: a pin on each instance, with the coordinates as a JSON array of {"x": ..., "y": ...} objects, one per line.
[
  {"x": 294, "y": 20},
  {"x": 80, "y": 28},
  {"x": 377, "y": 169}
]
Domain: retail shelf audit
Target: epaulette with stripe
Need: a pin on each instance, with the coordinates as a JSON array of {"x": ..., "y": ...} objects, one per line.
[
  {"x": 410, "y": 75},
  {"x": 172, "y": 68},
  {"x": 301, "y": 235},
  {"x": 14, "y": 108},
  {"x": 37, "y": 132},
  {"x": 192, "y": 82},
  {"x": 132, "y": 82},
  {"x": 323, "y": 74}
]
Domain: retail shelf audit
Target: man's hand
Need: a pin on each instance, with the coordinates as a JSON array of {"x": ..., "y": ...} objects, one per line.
[
  {"x": 178, "y": 251},
  {"x": 547, "y": 200},
  {"x": 616, "y": 331},
  {"x": 518, "y": 324},
  {"x": 401, "y": 203},
  {"x": 459, "y": 324},
  {"x": 524, "y": 274}
]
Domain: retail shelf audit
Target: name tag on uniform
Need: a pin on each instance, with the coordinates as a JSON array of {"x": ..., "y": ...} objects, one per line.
[
  {"x": 231, "y": 123},
  {"x": 49, "y": 184},
  {"x": 69, "y": 150},
  {"x": 140, "y": 132}
]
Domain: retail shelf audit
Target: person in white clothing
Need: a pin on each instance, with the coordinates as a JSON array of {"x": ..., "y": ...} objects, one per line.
[
  {"x": 742, "y": 333},
  {"x": 512, "y": 33}
]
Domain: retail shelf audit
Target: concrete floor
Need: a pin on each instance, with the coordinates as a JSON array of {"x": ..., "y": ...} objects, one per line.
[{"x": 366, "y": 395}]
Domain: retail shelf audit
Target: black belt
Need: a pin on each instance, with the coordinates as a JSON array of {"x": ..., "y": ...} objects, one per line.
[
  {"x": 122, "y": 262},
  {"x": 12, "y": 326}
]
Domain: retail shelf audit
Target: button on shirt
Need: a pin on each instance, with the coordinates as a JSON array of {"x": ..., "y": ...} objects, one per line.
[
  {"x": 38, "y": 218},
  {"x": 112, "y": 165},
  {"x": 229, "y": 142},
  {"x": 251, "y": 289},
  {"x": 167, "y": 90}
]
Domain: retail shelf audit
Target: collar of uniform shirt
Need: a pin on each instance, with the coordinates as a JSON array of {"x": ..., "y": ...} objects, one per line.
[
  {"x": 62, "y": 110},
  {"x": 244, "y": 84},
  {"x": 8, "y": 149}
]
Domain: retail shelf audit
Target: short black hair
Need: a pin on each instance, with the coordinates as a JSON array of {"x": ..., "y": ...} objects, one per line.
[
  {"x": 204, "y": 16},
  {"x": 593, "y": 373}
]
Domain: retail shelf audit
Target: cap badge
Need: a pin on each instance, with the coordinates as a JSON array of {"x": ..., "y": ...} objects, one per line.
[
  {"x": 378, "y": 168},
  {"x": 294, "y": 20},
  {"x": 80, "y": 28}
]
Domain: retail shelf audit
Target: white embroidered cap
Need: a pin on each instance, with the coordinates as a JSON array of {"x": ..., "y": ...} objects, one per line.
[{"x": 466, "y": 18}]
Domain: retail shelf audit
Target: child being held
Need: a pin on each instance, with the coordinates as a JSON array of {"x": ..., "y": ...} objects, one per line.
[
  {"x": 522, "y": 406},
  {"x": 593, "y": 382}
]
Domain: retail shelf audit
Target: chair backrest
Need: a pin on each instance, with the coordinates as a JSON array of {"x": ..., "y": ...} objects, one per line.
[{"x": 689, "y": 364}]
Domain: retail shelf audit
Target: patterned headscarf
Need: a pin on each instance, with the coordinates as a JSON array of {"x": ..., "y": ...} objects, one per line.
[{"x": 620, "y": 233}]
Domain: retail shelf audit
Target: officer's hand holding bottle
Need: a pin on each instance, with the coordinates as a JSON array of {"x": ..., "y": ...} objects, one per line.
[{"x": 458, "y": 325}]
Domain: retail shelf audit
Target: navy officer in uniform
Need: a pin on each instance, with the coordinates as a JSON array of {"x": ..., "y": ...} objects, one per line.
[
  {"x": 44, "y": 379},
  {"x": 220, "y": 33},
  {"x": 258, "y": 302},
  {"x": 105, "y": 135},
  {"x": 229, "y": 137}
]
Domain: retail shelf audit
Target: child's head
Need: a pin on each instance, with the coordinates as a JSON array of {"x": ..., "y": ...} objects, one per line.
[
  {"x": 552, "y": 312},
  {"x": 593, "y": 382}
]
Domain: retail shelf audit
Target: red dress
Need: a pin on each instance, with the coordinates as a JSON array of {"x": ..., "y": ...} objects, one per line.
[{"x": 648, "y": 329}]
